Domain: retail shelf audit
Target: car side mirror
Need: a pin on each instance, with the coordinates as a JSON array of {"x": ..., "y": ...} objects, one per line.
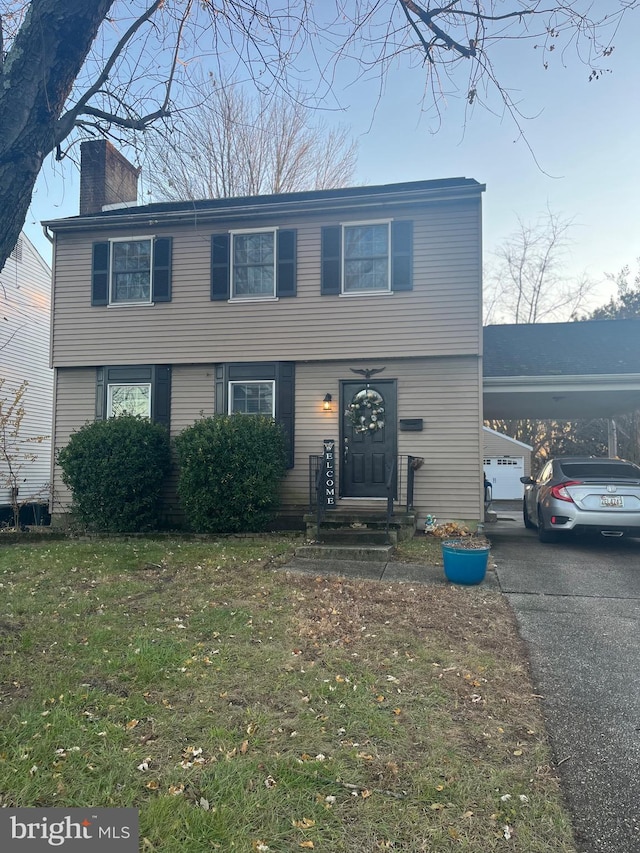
[{"x": 528, "y": 481}]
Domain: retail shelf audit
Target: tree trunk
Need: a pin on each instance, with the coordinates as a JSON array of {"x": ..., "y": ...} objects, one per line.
[{"x": 36, "y": 79}]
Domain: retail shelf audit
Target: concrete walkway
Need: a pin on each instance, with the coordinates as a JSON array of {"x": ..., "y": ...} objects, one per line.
[{"x": 391, "y": 571}]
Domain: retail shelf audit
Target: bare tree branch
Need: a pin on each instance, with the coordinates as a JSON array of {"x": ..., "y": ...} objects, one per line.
[{"x": 230, "y": 142}]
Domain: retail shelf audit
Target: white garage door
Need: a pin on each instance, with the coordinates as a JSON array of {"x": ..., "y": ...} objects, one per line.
[{"x": 504, "y": 472}]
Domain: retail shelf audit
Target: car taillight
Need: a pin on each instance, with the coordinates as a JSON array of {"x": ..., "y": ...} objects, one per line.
[{"x": 560, "y": 491}]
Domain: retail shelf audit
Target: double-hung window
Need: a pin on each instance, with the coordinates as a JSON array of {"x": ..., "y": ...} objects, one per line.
[
  {"x": 366, "y": 258},
  {"x": 131, "y": 265},
  {"x": 131, "y": 271},
  {"x": 252, "y": 398},
  {"x": 253, "y": 266}
]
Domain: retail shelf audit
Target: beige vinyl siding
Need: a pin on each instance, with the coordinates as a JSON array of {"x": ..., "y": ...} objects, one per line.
[
  {"x": 25, "y": 283},
  {"x": 74, "y": 405},
  {"x": 440, "y": 316},
  {"x": 445, "y": 392}
]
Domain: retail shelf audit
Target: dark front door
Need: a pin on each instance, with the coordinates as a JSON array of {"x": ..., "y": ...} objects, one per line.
[{"x": 368, "y": 440}]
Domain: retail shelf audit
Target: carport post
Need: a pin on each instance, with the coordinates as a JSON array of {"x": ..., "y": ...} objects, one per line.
[{"x": 612, "y": 435}]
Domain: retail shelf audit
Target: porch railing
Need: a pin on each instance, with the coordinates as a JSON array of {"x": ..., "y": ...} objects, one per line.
[{"x": 398, "y": 490}]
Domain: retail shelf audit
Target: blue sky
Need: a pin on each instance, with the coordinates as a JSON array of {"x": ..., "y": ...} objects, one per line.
[{"x": 585, "y": 137}]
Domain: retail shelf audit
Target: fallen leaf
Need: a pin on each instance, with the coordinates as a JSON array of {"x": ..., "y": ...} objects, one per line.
[
  {"x": 365, "y": 794},
  {"x": 152, "y": 785},
  {"x": 308, "y": 845},
  {"x": 270, "y": 782},
  {"x": 132, "y": 724},
  {"x": 304, "y": 823}
]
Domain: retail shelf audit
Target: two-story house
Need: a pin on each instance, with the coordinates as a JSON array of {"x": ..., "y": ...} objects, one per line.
[{"x": 304, "y": 306}]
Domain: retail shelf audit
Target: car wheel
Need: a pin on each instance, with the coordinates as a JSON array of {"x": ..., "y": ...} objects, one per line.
[
  {"x": 544, "y": 534},
  {"x": 525, "y": 515}
]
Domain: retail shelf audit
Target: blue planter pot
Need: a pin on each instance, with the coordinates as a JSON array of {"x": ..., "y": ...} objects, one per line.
[{"x": 464, "y": 565}]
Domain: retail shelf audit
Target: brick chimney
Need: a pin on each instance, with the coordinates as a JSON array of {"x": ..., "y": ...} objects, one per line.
[{"x": 106, "y": 177}]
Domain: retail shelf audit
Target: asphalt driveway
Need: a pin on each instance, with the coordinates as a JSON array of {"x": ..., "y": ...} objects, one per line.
[{"x": 578, "y": 608}]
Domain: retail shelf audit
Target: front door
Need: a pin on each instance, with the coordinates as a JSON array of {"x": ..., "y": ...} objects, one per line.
[{"x": 368, "y": 440}]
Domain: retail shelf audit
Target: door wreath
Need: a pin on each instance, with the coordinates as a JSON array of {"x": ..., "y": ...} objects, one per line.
[{"x": 365, "y": 412}]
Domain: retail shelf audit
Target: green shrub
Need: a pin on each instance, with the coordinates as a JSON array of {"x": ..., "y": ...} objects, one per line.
[
  {"x": 230, "y": 472},
  {"x": 115, "y": 470}
]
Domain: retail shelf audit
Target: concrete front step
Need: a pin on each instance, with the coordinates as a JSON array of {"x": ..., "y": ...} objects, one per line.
[
  {"x": 356, "y": 536},
  {"x": 359, "y": 553},
  {"x": 353, "y": 527}
]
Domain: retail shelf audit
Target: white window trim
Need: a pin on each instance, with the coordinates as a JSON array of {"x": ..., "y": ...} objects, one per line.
[
  {"x": 352, "y": 293},
  {"x": 233, "y": 382},
  {"x": 126, "y": 385},
  {"x": 253, "y": 297},
  {"x": 131, "y": 239}
]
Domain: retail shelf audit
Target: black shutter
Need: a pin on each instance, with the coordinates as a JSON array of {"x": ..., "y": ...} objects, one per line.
[
  {"x": 101, "y": 395},
  {"x": 331, "y": 259},
  {"x": 161, "y": 396},
  {"x": 221, "y": 390},
  {"x": 286, "y": 268},
  {"x": 100, "y": 274},
  {"x": 220, "y": 244},
  {"x": 402, "y": 255},
  {"x": 161, "y": 270},
  {"x": 285, "y": 397}
]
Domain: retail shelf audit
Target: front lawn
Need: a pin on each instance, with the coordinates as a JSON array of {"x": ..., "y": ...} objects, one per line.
[{"x": 241, "y": 708}]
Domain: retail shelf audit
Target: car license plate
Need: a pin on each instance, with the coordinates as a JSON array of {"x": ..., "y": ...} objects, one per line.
[{"x": 611, "y": 500}]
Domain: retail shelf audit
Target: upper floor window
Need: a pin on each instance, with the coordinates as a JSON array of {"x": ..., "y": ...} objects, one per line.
[
  {"x": 360, "y": 258},
  {"x": 256, "y": 264},
  {"x": 252, "y": 398},
  {"x": 131, "y": 271},
  {"x": 366, "y": 257},
  {"x": 129, "y": 400}
]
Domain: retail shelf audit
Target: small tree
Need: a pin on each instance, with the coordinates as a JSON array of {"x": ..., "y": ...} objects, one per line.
[
  {"x": 15, "y": 455},
  {"x": 115, "y": 470},
  {"x": 231, "y": 467}
]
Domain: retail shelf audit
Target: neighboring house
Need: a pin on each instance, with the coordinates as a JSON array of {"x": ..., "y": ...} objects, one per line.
[
  {"x": 505, "y": 460},
  {"x": 25, "y": 294},
  {"x": 282, "y": 305}
]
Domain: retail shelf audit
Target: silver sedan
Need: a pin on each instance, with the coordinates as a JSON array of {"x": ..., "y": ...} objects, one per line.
[{"x": 583, "y": 495}]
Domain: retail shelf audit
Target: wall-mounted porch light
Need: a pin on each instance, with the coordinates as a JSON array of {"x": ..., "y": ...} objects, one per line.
[{"x": 326, "y": 403}]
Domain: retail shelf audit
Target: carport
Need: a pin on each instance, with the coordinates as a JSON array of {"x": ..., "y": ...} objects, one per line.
[{"x": 562, "y": 371}]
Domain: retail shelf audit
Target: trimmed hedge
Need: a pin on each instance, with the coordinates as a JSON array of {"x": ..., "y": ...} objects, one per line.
[
  {"x": 231, "y": 467},
  {"x": 115, "y": 470}
]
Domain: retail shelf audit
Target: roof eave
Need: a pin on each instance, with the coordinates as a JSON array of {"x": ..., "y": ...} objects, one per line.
[{"x": 395, "y": 195}]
